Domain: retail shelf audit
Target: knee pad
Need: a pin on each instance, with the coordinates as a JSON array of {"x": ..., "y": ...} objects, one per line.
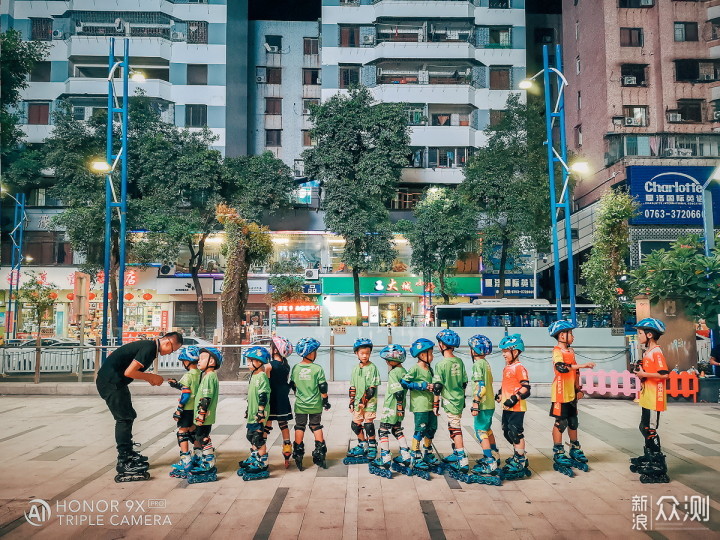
[
  {"x": 383, "y": 432},
  {"x": 397, "y": 431},
  {"x": 256, "y": 438},
  {"x": 301, "y": 422},
  {"x": 513, "y": 434},
  {"x": 369, "y": 429},
  {"x": 454, "y": 432},
  {"x": 282, "y": 424},
  {"x": 481, "y": 435},
  {"x": 356, "y": 428},
  {"x": 267, "y": 429},
  {"x": 561, "y": 424},
  {"x": 430, "y": 433},
  {"x": 315, "y": 427},
  {"x": 573, "y": 422},
  {"x": 185, "y": 436},
  {"x": 206, "y": 442}
]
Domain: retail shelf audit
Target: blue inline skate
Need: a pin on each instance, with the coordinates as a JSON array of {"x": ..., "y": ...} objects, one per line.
[
  {"x": 561, "y": 462},
  {"x": 242, "y": 465},
  {"x": 434, "y": 464},
  {"x": 381, "y": 466},
  {"x": 257, "y": 469},
  {"x": 182, "y": 468},
  {"x": 356, "y": 456},
  {"x": 516, "y": 467},
  {"x": 205, "y": 471},
  {"x": 402, "y": 463},
  {"x": 577, "y": 456},
  {"x": 485, "y": 472}
]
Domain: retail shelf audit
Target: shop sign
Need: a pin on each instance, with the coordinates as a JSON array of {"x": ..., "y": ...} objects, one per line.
[
  {"x": 164, "y": 320},
  {"x": 307, "y": 288},
  {"x": 516, "y": 284},
  {"x": 255, "y": 286},
  {"x": 180, "y": 286},
  {"x": 298, "y": 309},
  {"x": 671, "y": 195},
  {"x": 399, "y": 286}
]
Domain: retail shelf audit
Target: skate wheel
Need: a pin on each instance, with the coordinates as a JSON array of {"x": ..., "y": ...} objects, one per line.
[{"x": 633, "y": 468}]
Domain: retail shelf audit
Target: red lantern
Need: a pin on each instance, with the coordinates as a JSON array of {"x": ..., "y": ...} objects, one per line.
[
  {"x": 109, "y": 296},
  {"x": 70, "y": 296},
  {"x": 92, "y": 296},
  {"x": 53, "y": 295},
  {"x": 147, "y": 296},
  {"x": 129, "y": 296}
]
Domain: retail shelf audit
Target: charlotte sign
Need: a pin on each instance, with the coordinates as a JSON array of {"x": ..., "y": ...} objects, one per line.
[{"x": 671, "y": 195}]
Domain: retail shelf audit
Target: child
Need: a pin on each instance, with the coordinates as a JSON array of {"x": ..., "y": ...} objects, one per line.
[
  {"x": 307, "y": 380},
  {"x": 450, "y": 380},
  {"x": 515, "y": 390},
  {"x": 364, "y": 381},
  {"x": 258, "y": 410},
  {"x": 652, "y": 371},
  {"x": 565, "y": 394},
  {"x": 418, "y": 380},
  {"x": 188, "y": 387},
  {"x": 392, "y": 413},
  {"x": 482, "y": 410},
  {"x": 280, "y": 393},
  {"x": 205, "y": 407}
]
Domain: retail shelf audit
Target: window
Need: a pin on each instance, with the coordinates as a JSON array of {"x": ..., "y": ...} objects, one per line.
[
  {"x": 686, "y": 31},
  {"x": 307, "y": 103},
  {"x": 691, "y": 110},
  {"x": 448, "y": 157},
  {"x": 636, "y": 3},
  {"x": 79, "y": 113},
  {"x": 635, "y": 115},
  {"x": 311, "y": 76},
  {"x": 274, "y": 43},
  {"x": 195, "y": 115},
  {"x": 273, "y": 137},
  {"x": 273, "y": 75},
  {"x": 631, "y": 37},
  {"x": 349, "y": 76},
  {"x": 632, "y": 75},
  {"x": 197, "y": 74},
  {"x": 578, "y": 136},
  {"x": 197, "y": 32},
  {"x": 307, "y": 140},
  {"x": 41, "y": 29},
  {"x": 349, "y": 36},
  {"x": 311, "y": 45},
  {"x": 416, "y": 115},
  {"x": 47, "y": 247},
  {"x": 499, "y": 78},
  {"x": 502, "y": 37},
  {"x": 697, "y": 70},
  {"x": 273, "y": 105},
  {"x": 40, "y": 72},
  {"x": 577, "y": 65},
  {"x": 499, "y": 4},
  {"x": 577, "y": 30},
  {"x": 496, "y": 116},
  {"x": 38, "y": 114},
  {"x": 579, "y": 100}
]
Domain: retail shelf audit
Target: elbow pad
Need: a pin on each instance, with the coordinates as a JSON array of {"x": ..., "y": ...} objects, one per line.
[
  {"x": 437, "y": 388},
  {"x": 525, "y": 390},
  {"x": 185, "y": 396},
  {"x": 399, "y": 396},
  {"x": 204, "y": 404},
  {"x": 370, "y": 392},
  {"x": 292, "y": 386},
  {"x": 323, "y": 387},
  {"x": 262, "y": 399},
  {"x": 663, "y": 372},
  {"x": 562, "y": 367}
]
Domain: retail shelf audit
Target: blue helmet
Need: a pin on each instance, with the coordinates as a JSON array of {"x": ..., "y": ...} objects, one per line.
[
  {"x": 215, "y": 353},
  {"x": 652, "y": 324},
  {"x": 420, "y": 345},
  {"x": 448, "y": 337},
  {"x": 511, "y": 342},
  {"x": 480, "y": 344},
  {"x": 260, "y": 354},
  {"x": 362, "y": 342},
  {"x": 191, "y": 354},
  {"x": 560, "y": 326},
  {"x": 307, "y": 346},
  {"x": 393, "y": 353}
]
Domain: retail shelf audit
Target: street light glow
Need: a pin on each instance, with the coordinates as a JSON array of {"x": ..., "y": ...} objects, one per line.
[
  {"x": 525, "y": 84},
  {"x": 137, "y": 76},
  {"x": 580, "y": 167},
  {"x": 100, "y": 166}
]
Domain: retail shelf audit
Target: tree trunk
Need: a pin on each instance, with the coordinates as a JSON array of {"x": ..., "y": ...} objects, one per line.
[
  {"x": 38, "y": 351},
  {"x": 503, "y": 262},
  {"x": 234, "y": 300},
  {"x": 195, "y": 264},
  {"x": 616, "y": 313},
  {"x": 356, "y": 290},
  {"x": 446, "y": 297}
]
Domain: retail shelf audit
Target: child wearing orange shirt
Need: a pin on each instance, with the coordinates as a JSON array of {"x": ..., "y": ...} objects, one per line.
[{"x": 653, "y": 372}]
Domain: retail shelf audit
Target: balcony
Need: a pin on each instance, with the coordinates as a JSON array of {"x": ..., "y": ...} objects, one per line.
[{"x": 661, "y": 146}]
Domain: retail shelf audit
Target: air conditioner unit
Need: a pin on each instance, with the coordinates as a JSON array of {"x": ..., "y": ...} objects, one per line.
[
  {"x": 647, "y": 3},
  {"x": 684, "y": 152},
  {"x": 312, "y": 274},
  {"x": 58, "y": 34},
  {"x": 630, "y": 121},
  {"x": 716, "y": 115},
  {"x": 629, "y": 81},
  {"x": 167, "y": 269},
  {"x": 260, "y": 79},
  {"x": 674, "y": 117},
  {"x": 368, "y": 39},
  {"x": 272, "y": 48},
  {"x": 178, "y": 36},
  {"x": 258, "y": 269}
]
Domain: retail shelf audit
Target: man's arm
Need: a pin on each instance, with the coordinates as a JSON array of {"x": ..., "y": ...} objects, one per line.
[{"x": 133, "y": 372}]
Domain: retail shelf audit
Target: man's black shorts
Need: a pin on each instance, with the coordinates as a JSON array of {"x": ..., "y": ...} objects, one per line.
[
  {"x": 563, "y": 410},
  {"x": 186, "y": 419}
]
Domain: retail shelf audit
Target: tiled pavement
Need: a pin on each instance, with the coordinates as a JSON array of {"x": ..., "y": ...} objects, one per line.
[{"x": 61, "y": 450}]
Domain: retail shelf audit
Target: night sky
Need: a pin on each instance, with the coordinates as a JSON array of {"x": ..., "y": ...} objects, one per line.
[{"x": 285, "y": 10}]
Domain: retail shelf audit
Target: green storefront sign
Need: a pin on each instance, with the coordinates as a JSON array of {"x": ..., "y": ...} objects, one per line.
[{"x": 399, "y": 286}]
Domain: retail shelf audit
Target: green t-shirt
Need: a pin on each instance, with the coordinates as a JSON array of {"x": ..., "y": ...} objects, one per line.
[
  {"x": 307, "y": 377},
  {"x": 209, "y": 388},
  {"x": 259, "y": 384},
  {"x": 451, "y": 373},
  {"x": 389, "y": 411},
  {"x": 420, "y": 400},
  {"x": 192, "y": 380},
  {"x": 481, "y": 372},
  {"x": 363, "y": 378}
]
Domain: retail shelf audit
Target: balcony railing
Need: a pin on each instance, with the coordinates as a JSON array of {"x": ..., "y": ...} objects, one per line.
[{"x": 661, "y": 146}]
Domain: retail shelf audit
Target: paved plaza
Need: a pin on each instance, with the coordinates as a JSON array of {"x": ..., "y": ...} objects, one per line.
[{"x": 60, "y": 449}]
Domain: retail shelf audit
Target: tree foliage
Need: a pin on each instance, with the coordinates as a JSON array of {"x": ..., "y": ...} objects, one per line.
[
  {"x": 611, "y": 246},
  {"x": 683, "y": 273},
  {"x": 361, "y": 149},
  {"x": 507, "y": 181},
  {"x": 286, "y": 281}
]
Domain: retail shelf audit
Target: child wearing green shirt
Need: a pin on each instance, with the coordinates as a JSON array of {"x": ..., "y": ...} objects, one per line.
[
  {"x": 364, "y": 381},
  {"x": 258, "y": 410},
  {"x": 188, "y": 386},
  {"x": 449, "y": 381},
  {"x": 308, "y": 381},
  {"x": 205, "y": 408}
]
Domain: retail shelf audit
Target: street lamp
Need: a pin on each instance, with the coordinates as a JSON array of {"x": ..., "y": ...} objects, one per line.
[
  {"x": 708, "y": 218},
  {"x": 17, "y": 236}
]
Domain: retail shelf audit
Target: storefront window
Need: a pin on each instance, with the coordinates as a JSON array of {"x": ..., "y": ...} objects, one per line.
[
  {"x": 309, "y": 249},
  {"x": 143, "y": 320},
  {"x": 186, "y": 318}
]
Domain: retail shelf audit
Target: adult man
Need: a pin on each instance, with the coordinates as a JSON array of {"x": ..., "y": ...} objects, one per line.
[
  {"x": 125, "y": 364},
  {"x": 715, "y": 359}
]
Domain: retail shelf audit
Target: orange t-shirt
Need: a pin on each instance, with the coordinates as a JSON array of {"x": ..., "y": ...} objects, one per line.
[
  {"x": 652, "y": 391},
  {"x": 513, "y": 374},
  {"x": 564, "y": 384}
]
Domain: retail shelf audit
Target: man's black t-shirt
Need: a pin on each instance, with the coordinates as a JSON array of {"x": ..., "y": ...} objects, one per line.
[
  {"x": 715, "y": 353},
  {"x": 113, "y": 369}
]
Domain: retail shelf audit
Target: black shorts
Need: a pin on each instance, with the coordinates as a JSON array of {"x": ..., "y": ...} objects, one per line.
[
  {"x": 186, "y": 419},
  {"x": 563, "y": 410},
  {"x": 513, "y": 418}
]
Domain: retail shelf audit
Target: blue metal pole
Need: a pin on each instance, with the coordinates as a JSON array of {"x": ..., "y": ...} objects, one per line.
[
  {"x": 10, "y": 326},
  {"x": 566, "y": 202},
  {"x": 108, "y": 199},
  {"x": 123, "y": 189},
  {"x": 549, "y": 114},
  {"x": 708, "y": 220},
  {"x": 16, "y": 257}
]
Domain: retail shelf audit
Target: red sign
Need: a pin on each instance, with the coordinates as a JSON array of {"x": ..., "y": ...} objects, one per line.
[
  {"x": 164, "y": 321},
  {"x": 298, "y": 309}
]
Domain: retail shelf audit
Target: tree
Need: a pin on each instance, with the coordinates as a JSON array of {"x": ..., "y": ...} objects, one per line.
[
  {"x": 445, "y": 226},
  {"x": 246, "y": 244},
  {"x": 507, "y": 181},
  {"x": 361, "y": 149},
  {"x": 611, "y": 246},
  {"x": 683, "y": 273},
  {"x": 17, "y": 59},
  {"x": 287, "y": 281},
  {"x": 41, "y": 295}
]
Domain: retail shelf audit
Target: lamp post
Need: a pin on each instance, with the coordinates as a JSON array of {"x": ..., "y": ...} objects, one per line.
[
  {"x": 16, "y": 237},
  {"x": 708, "y": 218}
]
